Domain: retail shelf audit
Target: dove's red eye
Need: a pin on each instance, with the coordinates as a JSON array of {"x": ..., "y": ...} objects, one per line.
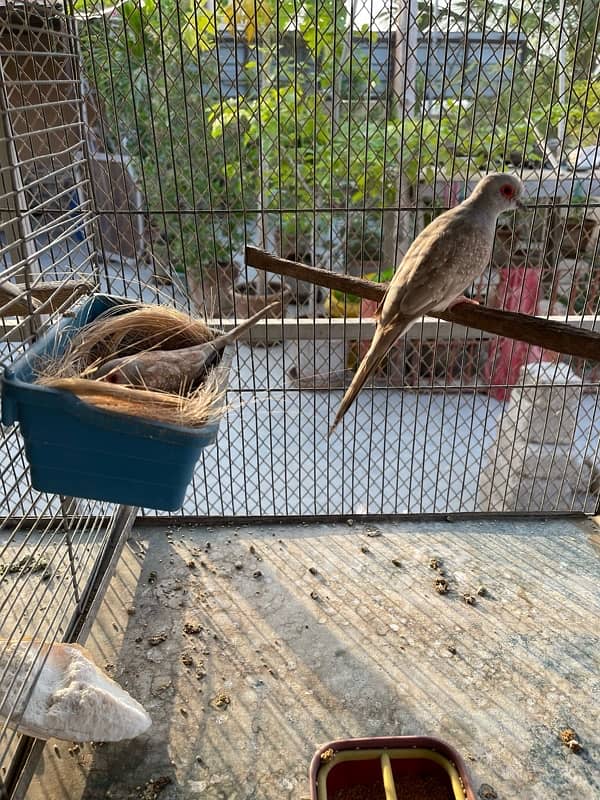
[{"x": 507, "y": 191}]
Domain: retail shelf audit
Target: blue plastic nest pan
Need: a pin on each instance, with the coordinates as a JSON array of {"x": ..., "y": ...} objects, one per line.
[{"x": 78, "y": 450}]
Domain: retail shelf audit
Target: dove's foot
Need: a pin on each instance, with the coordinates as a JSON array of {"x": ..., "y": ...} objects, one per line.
[{"x": 461, "y": 299}]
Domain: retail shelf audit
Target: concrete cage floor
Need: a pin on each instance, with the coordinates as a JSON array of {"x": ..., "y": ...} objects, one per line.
[{"x": 272, "y": 639}]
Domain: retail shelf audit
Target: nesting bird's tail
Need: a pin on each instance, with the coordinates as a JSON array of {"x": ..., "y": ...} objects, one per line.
[
  {"x": 235, "y": 333},
  {"x": 219, "y": 343},
  {"x": 382, "y": 341}
]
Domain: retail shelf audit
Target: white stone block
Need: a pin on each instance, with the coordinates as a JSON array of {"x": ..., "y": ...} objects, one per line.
[
  {"x": 530, "y": 466},
  {"x": 544, "y": 461},
  {"x": 545, "y": 408},
  {"x": 540, "y": 494}
]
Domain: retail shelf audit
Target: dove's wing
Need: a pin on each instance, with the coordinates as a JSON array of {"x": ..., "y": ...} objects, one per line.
[{"x": 442, "y": 261}]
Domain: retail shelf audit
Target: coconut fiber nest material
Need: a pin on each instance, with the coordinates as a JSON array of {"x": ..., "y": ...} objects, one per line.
[{"x": 117, "y": 334}]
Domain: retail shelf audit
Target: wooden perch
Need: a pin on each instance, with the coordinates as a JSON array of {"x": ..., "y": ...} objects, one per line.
[
  {"x": 46, "y": 297},
  {"x": 13, "y": 299},
  {"x": 549, "y": 334}
]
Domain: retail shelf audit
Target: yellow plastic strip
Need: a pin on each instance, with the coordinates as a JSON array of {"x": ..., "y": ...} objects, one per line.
[{"x": 388, "y": 778}]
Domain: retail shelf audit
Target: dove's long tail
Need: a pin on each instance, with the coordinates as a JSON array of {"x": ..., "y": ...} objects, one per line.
[
  {"x": 203, "y": 352},
  {"x": 233, "y": 335},
  {"x": 382, "y": 341}
]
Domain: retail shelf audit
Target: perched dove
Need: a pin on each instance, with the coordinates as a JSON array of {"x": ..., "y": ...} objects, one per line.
[
  {"x": 439, "y": 265},
  {"x": 172, "y": 370}
]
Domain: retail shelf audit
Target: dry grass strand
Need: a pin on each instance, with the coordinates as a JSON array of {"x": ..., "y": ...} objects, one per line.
[{"x": 145, "y": 328}]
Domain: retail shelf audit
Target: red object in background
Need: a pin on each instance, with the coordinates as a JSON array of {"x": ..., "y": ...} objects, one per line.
[
  {"x": 454, "y": 193},
  {"x": 518, "y": 290}
]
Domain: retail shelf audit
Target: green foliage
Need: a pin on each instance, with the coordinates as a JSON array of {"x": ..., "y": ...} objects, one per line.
[
  {"x": 146, "y": 66},
  {"x": 581, "y": 112},
  {"x": 292, "y": 140}
]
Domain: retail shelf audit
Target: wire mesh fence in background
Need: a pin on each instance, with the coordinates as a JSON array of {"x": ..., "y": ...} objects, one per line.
[
  {"x": 54, "y": 551},
  {"x": 331, "y": 133}
]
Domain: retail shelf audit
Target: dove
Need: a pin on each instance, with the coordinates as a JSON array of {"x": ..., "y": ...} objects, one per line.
[
  {"x": 172, "y": 370},
  {"x": 444, "y": 259}
]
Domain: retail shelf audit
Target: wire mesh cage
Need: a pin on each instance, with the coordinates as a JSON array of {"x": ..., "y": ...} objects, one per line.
[
  {"x": 144, "y": 144},
  {"x": 331, "y": 134}
]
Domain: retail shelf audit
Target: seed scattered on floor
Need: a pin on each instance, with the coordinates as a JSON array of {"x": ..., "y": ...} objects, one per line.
[
  {"x": 567, "y": 735},
  {"x": 487, "y": 792},
  {"x": 157, "y": 639},
  {"x": 183, "y": 711},
  {"x": 364, "y": 549},
  {"x": 131, "y": 611},
  {"x": 313, "y": 570},
  {"x": 257, "y": 574},
  {"x": 57, "y": 751},
  {"x": 569, "y": 738},
  {"x": 153, "y": 788},
  {"x": 24, "y": 566},
  {"x": 396, "y": 562},
  {"x": 441, "y": 586},
  {"x": 192, "y": 628},
  {"x": 191, "y": 564},
  {"x": 152, "y": 577},
  {"x": 222, "y": 700},
  {"x": 481, "y": 591},
  {"x": 252, "y": 549},
  {"x": 435, "y": 563},
  {"x": 314, "y": 595},
  {"x": 469, "y": 599},
  {"x": 452, "y": 649},
  {"x": 327, "y": 755},
  {"x": 350, "y": 522},
  {"x": 238, "y": 565},
  {"x": 187, "y": 660}
]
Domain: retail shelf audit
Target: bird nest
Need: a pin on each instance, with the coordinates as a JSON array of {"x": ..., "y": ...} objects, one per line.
[{"x": 117, "y": 334}]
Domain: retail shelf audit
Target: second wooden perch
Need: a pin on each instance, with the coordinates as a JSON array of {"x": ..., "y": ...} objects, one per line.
[{"x": 549, "y": 334}]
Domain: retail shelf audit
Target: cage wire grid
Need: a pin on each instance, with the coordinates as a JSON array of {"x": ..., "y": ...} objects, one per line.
[
  {"x": 331, "y": 133},
  {"x": 52, "y": 549},
  {"x": 144, "y": 144}
]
